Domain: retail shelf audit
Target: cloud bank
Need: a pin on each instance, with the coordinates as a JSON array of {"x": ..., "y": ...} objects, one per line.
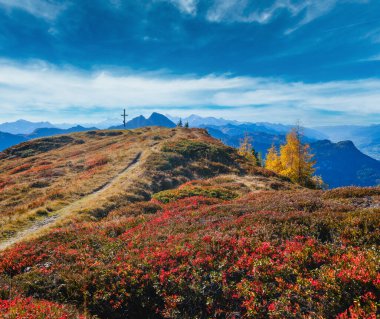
[{"x": 40, "y": 88}]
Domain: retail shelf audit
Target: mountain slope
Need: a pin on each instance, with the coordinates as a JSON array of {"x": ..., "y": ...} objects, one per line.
[
  {"x": 8, "y": 140},
  {"x": 267, "y": 254},
  {"x": 171, "y": 223},
  {"x": 366, "y": 138},
  {"x": 343, "y": 164},
  {"x": 88, "y": 174}
]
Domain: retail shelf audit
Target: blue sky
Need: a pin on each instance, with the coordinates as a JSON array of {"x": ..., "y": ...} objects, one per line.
[{"x": 253, "y": 60}]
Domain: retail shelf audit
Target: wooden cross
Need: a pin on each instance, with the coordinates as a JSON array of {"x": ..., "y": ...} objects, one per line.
[{"x": 124, "y": 115}]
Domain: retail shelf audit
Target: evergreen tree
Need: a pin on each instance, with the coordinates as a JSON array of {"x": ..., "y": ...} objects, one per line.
[
  {"x": 259, "y": 157},
  {"x": 180, "y": 124},
  {"x": 187, "y": 124}
]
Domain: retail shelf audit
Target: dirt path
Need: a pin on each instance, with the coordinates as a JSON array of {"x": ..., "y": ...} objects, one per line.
[{"x": 77, "y": 205}]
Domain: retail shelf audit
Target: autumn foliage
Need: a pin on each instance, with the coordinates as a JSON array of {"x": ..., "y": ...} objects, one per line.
[
  {"x": 294, "y": 160},
  {"x": 28, "y": 308},
  {"x": 273, "y": 254}
]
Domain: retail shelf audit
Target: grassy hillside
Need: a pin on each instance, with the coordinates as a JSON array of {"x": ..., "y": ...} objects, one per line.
[
  {"x": 176, "y": 225},
  {"x": 85, "y": 175},
  {"x": 269, "y": 254}
]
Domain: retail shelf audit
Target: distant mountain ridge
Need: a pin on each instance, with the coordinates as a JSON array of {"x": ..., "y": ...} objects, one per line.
[
  {"x": 366, "y": 138},
  {"x": 8, "y": 140},
  {"x": 196, "y": 120},
  {"x": 343, "y": 164},
  {"x": 236, "y": 127},
  {"x": 23, "y": 126},
  {"x": 45, "y": 132},
  {"x": 156, "y": 119}
]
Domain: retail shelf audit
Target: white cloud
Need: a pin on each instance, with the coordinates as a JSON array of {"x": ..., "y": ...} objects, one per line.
[
  {"x": 186, "y": 6},
  {"x": 39, "y": 86},
  {"x": 39, "y": 8},
  {"x": 250, "y": 11},
  {"x": 244, "y": 11}
]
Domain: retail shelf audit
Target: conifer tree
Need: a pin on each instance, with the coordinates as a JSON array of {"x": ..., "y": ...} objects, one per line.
[
  {"x": 246, "y": 149},
  {"x": 273, "y": 161},
  {"x": 180, "y": 124},
  {"x": 187, "y": 124},
  {"x": 296, "y": 159},
  {"x": 260, "y": 161}
]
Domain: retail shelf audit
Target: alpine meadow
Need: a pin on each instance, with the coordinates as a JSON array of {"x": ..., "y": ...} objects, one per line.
[{"x": 189, "y": 159}]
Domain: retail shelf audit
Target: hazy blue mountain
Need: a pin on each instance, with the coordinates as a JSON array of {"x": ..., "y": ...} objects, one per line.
[
  {"x": 198, "y": 121},
  {"x": 237, "y": 128},
  {"x": 366, "y": 138},
  {"x": 260, "y": 140},
  {"x": 8, "y": 140},
  {"x": 156, "y": 119},
  {"x": 342, "y": 164},
  {"x": 252, "y": 128},
  {"x": 23, "y": 127},
  {"x": 44, "y": 132}
]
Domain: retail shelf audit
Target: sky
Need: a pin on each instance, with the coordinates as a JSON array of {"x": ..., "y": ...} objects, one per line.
[{"x": 81, "y": 61}]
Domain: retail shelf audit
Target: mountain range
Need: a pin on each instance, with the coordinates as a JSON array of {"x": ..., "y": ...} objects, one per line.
[
  {"x": 23, "y": 126},
  {"x": 155, "y": 119},
  {"x": 339, "y": 164},
  {"x": 227, "y": 126},
  {"x": 366, "y": 138}
]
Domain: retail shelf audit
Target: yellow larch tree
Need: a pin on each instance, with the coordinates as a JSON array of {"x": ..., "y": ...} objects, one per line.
[
  {"x": 296, "y": 159},
  {"x": 246, "y": 149},
  {"x": 273, "y": 161}
]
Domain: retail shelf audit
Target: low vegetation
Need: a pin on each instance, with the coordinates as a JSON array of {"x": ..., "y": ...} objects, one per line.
[
  {"x": 203, "y": 233},
  {"x": 52, "y": 177},
  {"x": 22, "y": 308},
  {"x": 210, "y": 192},
  {"x": 267, "y": 254}
]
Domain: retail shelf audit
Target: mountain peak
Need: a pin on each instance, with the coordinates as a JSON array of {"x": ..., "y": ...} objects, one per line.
[
  {"x": 22, "y": 126},
  {"x": 158, "y": 119}
]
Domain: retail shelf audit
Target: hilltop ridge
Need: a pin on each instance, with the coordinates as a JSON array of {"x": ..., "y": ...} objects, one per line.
[{"x": 88, "y": 174}]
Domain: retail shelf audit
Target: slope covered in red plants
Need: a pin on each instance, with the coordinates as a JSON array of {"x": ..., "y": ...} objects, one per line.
[
  {"x": 28, "y": 308},
  {"x": 267, "y": 254}
]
